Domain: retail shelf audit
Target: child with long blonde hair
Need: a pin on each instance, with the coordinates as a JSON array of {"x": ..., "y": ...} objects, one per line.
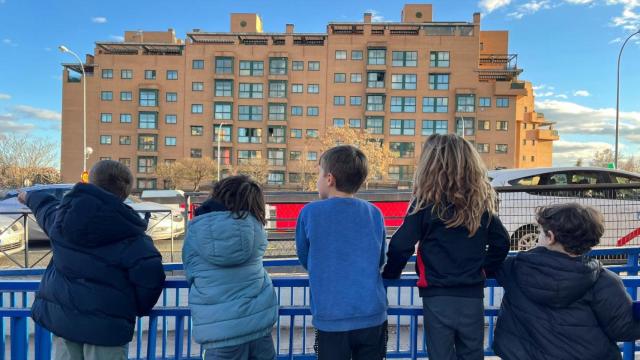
[{"x": 460, "y": 240}]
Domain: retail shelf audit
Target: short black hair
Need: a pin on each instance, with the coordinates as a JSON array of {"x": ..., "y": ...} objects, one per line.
[
  {"x": 576, "y": 227},
  {"x": 242, "y": 196},
  {"x": 112, "y": 176},
  {"x": 348, "y": 165}
]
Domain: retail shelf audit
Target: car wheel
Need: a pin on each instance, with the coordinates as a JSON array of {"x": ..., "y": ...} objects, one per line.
[{"x": 525, "y": 238}]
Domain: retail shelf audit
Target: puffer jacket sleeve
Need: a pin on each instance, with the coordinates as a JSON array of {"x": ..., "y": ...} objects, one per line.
[
  {"x": 613, "y": 308},
  {"x": 145, "y": 272},
  {"x": 44, "y": 207}
]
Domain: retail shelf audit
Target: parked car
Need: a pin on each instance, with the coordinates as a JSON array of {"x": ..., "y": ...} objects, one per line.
[
  {"x": 162, "y": 218},
  {"x": 11, "y": 235},
  {"x": 620, "y": 207},
  {"x": 174, "y": 199}
]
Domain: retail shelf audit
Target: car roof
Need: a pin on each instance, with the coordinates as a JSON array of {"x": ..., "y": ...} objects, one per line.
[{"x": 509, "y": 174}]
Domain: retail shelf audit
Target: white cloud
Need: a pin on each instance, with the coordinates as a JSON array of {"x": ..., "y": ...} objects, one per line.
[
  {"x": 544, "y": 94},
  {"x": 375, "y": 15},
  {"x": 629, "y": 19},
  {"x": 5, "y": 96},
  {"x": 117, "y": 38},
  {"x": 580, "y": 2},
  {"x": 47, "y": 49},
  {"x": 531, "y": 7},
  {"x": 30, "y": 112},
  {"x": 99, "y": 20},
  {"x": 491, "y": 5},
  {"x": 566, "y": 153},
  {"x": 9, "y": 125},
  {"x": 562, "y": 96},
  {"x": 9, "y": 42},
  {"x": 616, "y": 40},
  {"x": 581, "y": 93}
]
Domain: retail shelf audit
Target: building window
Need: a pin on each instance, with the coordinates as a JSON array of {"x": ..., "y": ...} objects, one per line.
[
  {"x": 250, "y": 91},
  {"x": 277, "y": 111},
  {"x": 275, "y": 157},
  {"x": 107, "y": 73},
  {"x": 196, "y": 153},
  {"x": 148, "y": 97},
  {"x": 466, "y": 103},
  {"x": 312, "y": 111},
  {"x": 297, "y": 65},
  {"x": 502, "y": 125},
  {"x": 501, "y": 148},
  {"x": 172, "y": 75},
  {"x": 148, "y": 120},
  {"x": 126, "y": 96},
  {"x": 105, "y": 158},
  {"x": 245, "y": 156},
  {"x": 482, "y": 148},
  {"x": 401, "y": 172},
  {"x": 296, "y": 133},
  {"x": 105, "y": 139},
  {"x": 224, "y": 65},
  {"x": 430, "y": 127},
  {"x": 403, "y": 104},
  {"x": 376, "y": 56},
  {"x": 197, "y": 130},
  {"x": 149, "y": 74},
  {"x": 197, "y": 64},
  {"x": 314, "y": 65},
  {"x": 484, "y": 125},
  {"x": 337, "y": 122},
  {"x": 403, "y": 127},
  {"x": 278, "y": 66},
  {"x": 295, "y": 155},
  {"x": 297, "y": 88},
  {"x": 225, "y": 155},
  {"x": 485, "y": 102},
  {"x": 375, "y": 102},
  {"x": 147, "y": 142},
  {"x": 435, "y": 104},
  {"x": 404, "y": 58},
  {"x": 275, "y": 178},
  {"x": 251, "y": 68},
  {"x": 340, "y": 77},
  {"x": 222, "y": 111},
  {"x": 354, "y": 123},
  {"x": 439, "y": 59},
  {"x": 224, "y": 87},
  {"x": 439, "y": 81},
  {"x": 404, "y": 81},
  {"x": 125, "y": 140},
  {"x": 339, "y": 100},
  {"x": 533, "y": 158},
  {"x": 106, "y": 95},
  {"x": 277, "y": 89},
  {"x": 105, "y": 117},
  {"x": 147, "y": 184},
  {"x": 467, "y": 124},
  {"x": 502, "y": 102},
  {"x": 171, "y": 119},
  {"x": 147, "y": 164},
  {"x": 197, "y": 108},
  {"x": 312, "y": 156},
  {"x": 296, "y": 111},
  {"x": 197, "y": 86},
  {"x": 125, "y": 118},
  {"x": 225, "y": 135},
  {"x": 375, "y": 79},
  {"x": 312, "y": 133},
  {"x": 341, "y": 55},
  {"x": 356, "y": 78},
  {"x": 249, "y": 135},
  {"x": 126, "y": 74},
  {"x": 355, "y": 100},
  {"x": 295, "y": 178},
  {"x": 403, "y": 149},
  {"x": 125, "y": 161},
  {"x": 313, "y": 88},
  {"x": 375, "y": 125},
  {"x": 250, "y": 112},
  {"x": 172, "y": 97},
  {"x": 170, "y": 141}
]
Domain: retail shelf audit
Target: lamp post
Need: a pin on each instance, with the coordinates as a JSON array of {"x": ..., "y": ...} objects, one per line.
[
  {"x": 615, "y": 160},
  {"x": 64, "y": 49},
  {"x": 219, "y": 137}
]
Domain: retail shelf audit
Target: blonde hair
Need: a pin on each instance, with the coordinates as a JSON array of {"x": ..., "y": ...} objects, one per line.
[{"x": 452, "y": 178}]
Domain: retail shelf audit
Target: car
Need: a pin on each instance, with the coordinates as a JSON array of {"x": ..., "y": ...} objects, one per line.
[
  {"x": 174, "y": 199},
  {"x": 620, "y": 206},
  {"x": 161, "y": 222},
  {"x": 11, "y": 235}
]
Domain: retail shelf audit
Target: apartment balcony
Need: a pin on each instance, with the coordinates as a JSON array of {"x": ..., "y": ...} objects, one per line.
[
  {"x": 511, "y": 88},
  {"x": 543, "y": 135},
  {"x": 498, "y": 67}
]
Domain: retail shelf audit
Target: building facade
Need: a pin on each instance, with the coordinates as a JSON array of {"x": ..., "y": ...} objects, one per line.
[{"x": 154, "y": 98}]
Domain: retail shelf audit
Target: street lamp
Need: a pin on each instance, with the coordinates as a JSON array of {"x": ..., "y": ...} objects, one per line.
[
  {"x": 219, "y": 137},
  {"x": 64, "y": 49},
  {"x": 615, "y": 161}
]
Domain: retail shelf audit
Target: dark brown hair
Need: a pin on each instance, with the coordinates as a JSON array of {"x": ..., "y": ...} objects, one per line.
[
  {"x": 348, "y": 165},
  {"x": 112, "y": 176},
  {"x": 576, "y": 227},
  {"x": 242, "y": 196}
]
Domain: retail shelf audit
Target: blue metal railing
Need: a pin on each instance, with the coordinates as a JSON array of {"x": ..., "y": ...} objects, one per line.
[{"x": 166, "y": 333}]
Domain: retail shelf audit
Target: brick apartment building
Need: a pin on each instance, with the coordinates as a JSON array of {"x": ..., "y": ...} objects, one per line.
[{"x": 154, "y": 98}]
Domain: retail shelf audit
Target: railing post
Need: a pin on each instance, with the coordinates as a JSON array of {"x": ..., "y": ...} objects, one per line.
[
  {"x": 179, "y": 336},
  {"x": 19, "y": 339},
  {"x": 42, "y": 343},
  {"x": 152, "y": 335}
]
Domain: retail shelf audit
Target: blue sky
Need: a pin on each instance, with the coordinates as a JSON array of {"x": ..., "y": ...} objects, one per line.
[{"x": 567, "y": 48}]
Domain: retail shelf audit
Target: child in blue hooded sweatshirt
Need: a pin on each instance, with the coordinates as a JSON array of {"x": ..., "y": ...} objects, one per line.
[{"x": 232, "y": 300}]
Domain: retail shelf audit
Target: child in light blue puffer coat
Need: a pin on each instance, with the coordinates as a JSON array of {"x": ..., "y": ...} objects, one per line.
[{"x": 232, "y": 300}]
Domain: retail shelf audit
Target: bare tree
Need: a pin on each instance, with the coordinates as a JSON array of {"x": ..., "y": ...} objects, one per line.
[
  {"x": 171, "y": 172},
  {"x": 579, "y": 162},
  {"x": 602, "y": 158},
  {"x": 193, "y": 171},
  {"x": 25, "y": 159},
  {"x": 257, "y": 169}
]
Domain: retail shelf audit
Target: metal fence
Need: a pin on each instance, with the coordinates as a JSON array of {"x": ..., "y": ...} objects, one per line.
[{"x": 166, "y": 333}]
